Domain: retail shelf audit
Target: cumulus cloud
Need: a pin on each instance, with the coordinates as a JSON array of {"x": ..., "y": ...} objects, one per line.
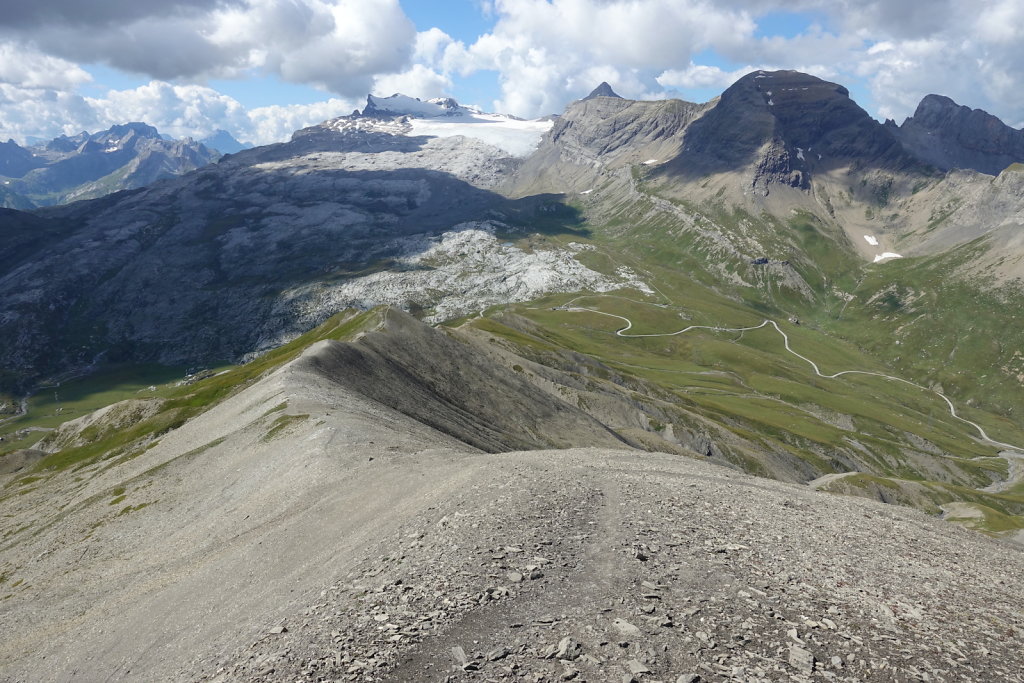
[
  {"x": 24, "y": 66},
  {"x": 340, "y": 45},
  {"x": 419, "y": 81},
  {"x": 177, "y": 110},
  {"x": 544, "y": 54},
  {"x": 27, "y": 15},
  {"x": 548, "y": 52}
]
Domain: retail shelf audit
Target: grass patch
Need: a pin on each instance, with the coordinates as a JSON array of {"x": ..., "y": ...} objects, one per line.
[{"x": 281, "y": 424}]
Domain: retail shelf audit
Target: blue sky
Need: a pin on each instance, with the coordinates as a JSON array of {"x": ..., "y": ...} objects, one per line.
[{"x": 262, "y": 68}]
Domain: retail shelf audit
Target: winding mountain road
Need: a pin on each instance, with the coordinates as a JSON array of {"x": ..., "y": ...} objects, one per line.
[{"x": 1017, "y": 450}]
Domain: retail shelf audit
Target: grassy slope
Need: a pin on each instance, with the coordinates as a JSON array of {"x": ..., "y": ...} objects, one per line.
[
  {"x": 184, "y": 402},
  {"x": 953, "y": 336},
  {"x": 51, "y": 406},
  {"x": 746, "y": 382}
]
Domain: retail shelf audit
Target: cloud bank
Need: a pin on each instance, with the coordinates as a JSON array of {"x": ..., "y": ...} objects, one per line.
[{"x": 543, "y": 53}]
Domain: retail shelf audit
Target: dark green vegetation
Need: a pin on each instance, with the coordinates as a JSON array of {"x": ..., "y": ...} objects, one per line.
[
  {"x": 53, "y": 404},
  {"x": 182, "y": 402}
]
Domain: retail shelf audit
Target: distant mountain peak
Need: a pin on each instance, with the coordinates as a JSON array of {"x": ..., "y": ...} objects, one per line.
[
  {"x": 142, "y": 129},
  {"x": 603, "y": 90},
  {"x": 950, "y": 135},
  {"x": 224, "y": 142},
  {"x": 403, "y": 105}
]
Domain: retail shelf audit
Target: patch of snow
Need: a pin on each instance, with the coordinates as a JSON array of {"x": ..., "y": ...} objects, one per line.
[
  {"x": 800, "y": 153},
  {"x": 650, "y": 162},
  {"x": 771, "y": 103},
  {"x": 819, "y": 157},
  {"x": 587, "y": 191},
  {"x": 886, "y": 256},
  {"x": 769, "y": 93},
  {"x": 518, "y": 138},
  {"x": 870, "y": 239}
]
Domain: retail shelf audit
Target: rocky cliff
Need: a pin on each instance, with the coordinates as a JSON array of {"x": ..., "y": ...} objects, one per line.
[{"x": 948, "y": 135}]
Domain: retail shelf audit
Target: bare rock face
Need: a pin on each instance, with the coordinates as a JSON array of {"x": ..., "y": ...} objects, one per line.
[
  {"x": 786, "y": 125},
  {"x": 948, "y": 135}
]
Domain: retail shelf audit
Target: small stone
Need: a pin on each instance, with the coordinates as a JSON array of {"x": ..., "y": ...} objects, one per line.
[
  {"x": 688, "y": 678},
  {"x": 536, "y": 574},
  {"x": 800, "y": 659},
  {"x": 568, "y": 649},
  {"x": 515, "y": 577},
  {"x": 626, "y": 628},
  {"x": 460, "y": 656},
  {"x": 279, "y": 629},
  {"x": 636, "y": 667},
  {"x": 837, "y": 662},
  {"x": 498, "y": 654}
]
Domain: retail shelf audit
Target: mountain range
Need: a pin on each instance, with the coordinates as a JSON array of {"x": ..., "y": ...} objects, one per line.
[
  {"x": 428, "y": 387},
  {"x": 86, "y": 166}
]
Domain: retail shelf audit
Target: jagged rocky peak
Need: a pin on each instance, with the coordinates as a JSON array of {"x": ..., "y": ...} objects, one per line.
[
  {"x": 949, "y": 135},
  {"x": 122, "y": 130},
  {"x": 603, "y": 90},
  {"x": 15, "y": 160}
]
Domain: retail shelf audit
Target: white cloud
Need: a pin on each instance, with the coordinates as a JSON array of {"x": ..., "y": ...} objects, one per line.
[
  {"x": 701, "y": 76},
  {"x": 276, "y": 123},
  {"x": 544, "y": 53},
  {"x": 339, "y": 45},
  {"x": 177, "y": 110},
  {"x": 419, "y": 81},
  {"x": 24, "y": 66},
  {"x": 548, "y": 53}
]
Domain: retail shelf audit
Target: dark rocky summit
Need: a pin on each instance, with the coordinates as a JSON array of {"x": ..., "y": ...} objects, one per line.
[
  {"x": 787, "y": 124},
  {"x": 948, "y": 135},
  {"x": 603, "y": 90}
]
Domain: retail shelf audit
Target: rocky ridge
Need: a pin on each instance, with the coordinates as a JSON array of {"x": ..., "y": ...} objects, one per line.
[
  {"x": 86, "y": 166},
  {"x": 306, "y": 530},
  {"x": 950, "y": 136}
]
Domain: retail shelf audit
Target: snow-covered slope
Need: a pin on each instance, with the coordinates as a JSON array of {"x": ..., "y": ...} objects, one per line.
[
  {"x": 444, "y": 117},
  {"x": 518, "y": 138}
]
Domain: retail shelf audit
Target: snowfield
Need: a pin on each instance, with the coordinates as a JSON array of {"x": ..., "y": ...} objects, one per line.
[
  {"x": 870, "y": 239},
  {"x": 444, "y": 118},
  {"x": 516, "y": 137}
]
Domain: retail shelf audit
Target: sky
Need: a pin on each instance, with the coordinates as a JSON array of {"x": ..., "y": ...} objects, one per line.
[{"x": 261, "y": 69}]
